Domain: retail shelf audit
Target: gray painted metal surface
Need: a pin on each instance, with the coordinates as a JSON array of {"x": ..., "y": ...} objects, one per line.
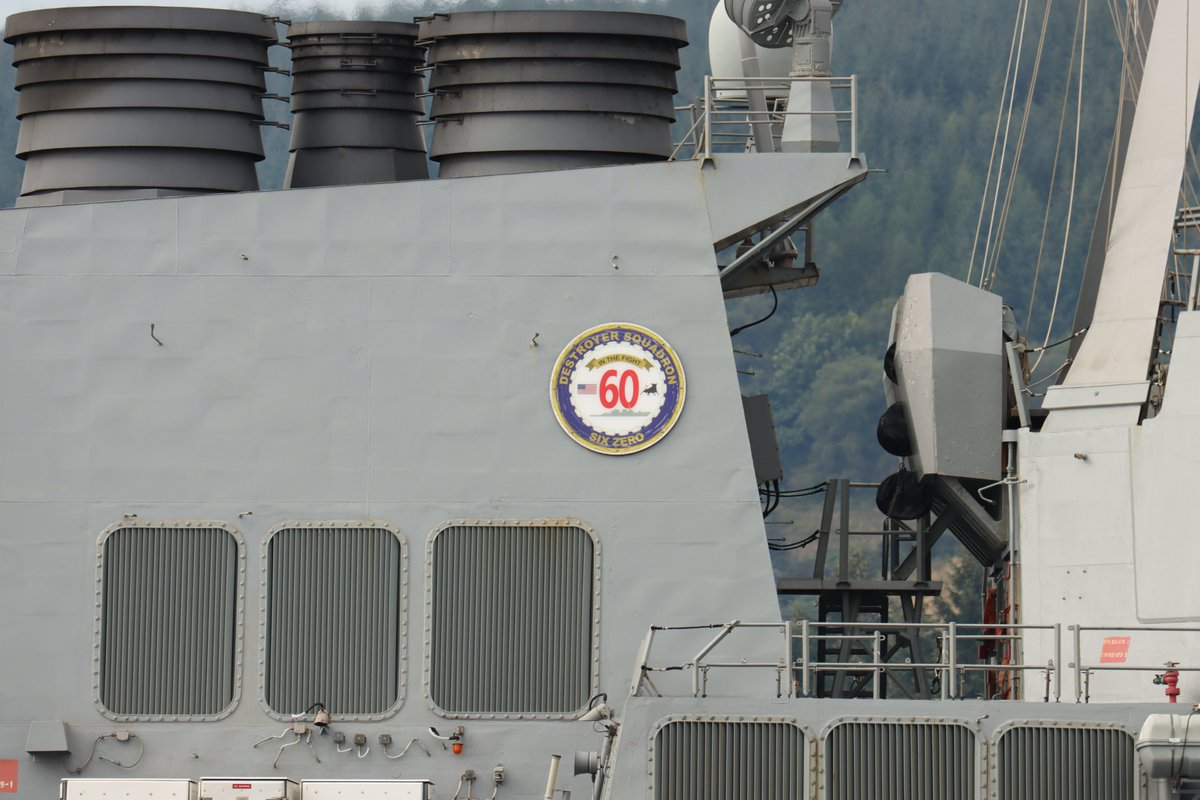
[
  {"x": 328, "y": 359},
  {"x": 318, "y": 356},
  {"x": 950, "y": 370}
]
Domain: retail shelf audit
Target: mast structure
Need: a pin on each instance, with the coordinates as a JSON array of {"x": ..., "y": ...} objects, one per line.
[{"x": 1110, "y": 369}]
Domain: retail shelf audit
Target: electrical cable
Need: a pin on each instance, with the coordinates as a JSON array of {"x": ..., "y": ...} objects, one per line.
[
  {"x": 770, "y": 491},
  {"x": 803, "y": 493},
  {"x": 136, "y": 761},
  {"x": 771, "y": 313},
  {"x": 816, "y": 488},
  {"x": 102, "y": 757},
  {"x": 796, "y": 545},
  {"x": 1077, "y": 333}
]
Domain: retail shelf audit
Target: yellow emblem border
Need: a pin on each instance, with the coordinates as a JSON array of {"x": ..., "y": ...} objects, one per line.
[{"x": 608, "y": 451}]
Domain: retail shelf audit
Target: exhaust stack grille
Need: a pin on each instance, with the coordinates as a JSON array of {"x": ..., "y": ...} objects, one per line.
[
  {"x": 1041, "y": 763},
  {"x": 354, "y": 97},
  {"x": 126, "y": 102},
  {"x": 729, "y": 760},
  {"x": 525, "y": 91},
  {"x": 913, "y": 760}
]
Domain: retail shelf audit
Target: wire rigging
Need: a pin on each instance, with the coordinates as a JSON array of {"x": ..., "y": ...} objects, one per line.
[
  {"x": 1008, "y": 70},
  {"x": 1062, "y": 121},
  {"x": 1023, "y": 11},
  {"x": 993, "y": 270},
  {"x": 1062, "y": 263}
]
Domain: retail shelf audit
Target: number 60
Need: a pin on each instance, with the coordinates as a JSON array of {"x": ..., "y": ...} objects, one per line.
[{"x": 623, "y": 390}]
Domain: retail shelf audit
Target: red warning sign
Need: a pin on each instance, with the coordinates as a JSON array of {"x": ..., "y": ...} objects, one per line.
[
  {"x": 1114, "y": 650},
  {"x": 8, "y": 775}
]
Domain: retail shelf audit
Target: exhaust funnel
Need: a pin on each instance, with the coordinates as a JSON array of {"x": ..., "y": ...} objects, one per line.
[{"x": 125, "y": 102}]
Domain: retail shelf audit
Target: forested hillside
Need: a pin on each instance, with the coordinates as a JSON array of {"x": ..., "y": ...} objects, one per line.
[{"x": 931, "y": 77}]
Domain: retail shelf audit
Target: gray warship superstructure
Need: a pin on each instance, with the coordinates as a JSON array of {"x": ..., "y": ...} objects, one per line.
[{"x": 390, "y": 485}]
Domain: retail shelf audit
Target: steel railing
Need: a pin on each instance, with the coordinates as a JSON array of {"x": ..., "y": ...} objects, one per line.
[
  {"x": 723, "y": 120},
  {"x": 795, "y": 676},
  {"x": 1083, "y": 671}
]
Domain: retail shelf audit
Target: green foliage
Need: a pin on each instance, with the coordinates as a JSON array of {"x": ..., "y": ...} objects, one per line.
[{"x": 962, "y": 594}]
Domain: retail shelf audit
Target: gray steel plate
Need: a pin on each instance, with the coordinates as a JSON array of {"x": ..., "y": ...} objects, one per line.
[
  {"x": 343, "y": 166},
  {"x": 94, "y": 18},
  {"x": 356, "y": 127},
  {"x": 591, "y": 22},
  {"x": 139, "y": 94},
  {"x": 552, "y": 70},
  {"x": 196, "y": 68}
]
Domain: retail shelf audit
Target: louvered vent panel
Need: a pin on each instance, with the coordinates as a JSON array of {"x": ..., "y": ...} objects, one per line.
[
  {"x": 168, "y": 621},
  {"x": 1044, "y": 763},
  {"x": 512, "y": 619},
  {"x": 900, "y": 761},
  {"x": 729, "y": 761},
  {"x": 334, "y": 599}
]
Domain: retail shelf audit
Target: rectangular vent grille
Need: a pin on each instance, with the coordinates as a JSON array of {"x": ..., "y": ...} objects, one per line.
[
  {"x": 729, "y": 761},
  {"x": 512, "y": 615},
  {"x": 1044, "y": 763},
  {"x": 168, "y": 621},
  {"x": 334, "y": 597},
  {"x": 901, "y": 761}
]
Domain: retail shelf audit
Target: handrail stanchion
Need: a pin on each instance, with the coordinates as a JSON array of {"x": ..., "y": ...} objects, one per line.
[
  {"x": 853, "y": 116},
  {"x": 805, "y": 688},
  {"x": 952, "y": 633},
  {"x": 875, "y": 656},
  {"x": 708, "y": 92},
  {"x": 1057, "y": 661},
  {"x": 787, "y": 658},
  {"x": 1079, "y": 667},
  {"x": 945, "y": 688}
]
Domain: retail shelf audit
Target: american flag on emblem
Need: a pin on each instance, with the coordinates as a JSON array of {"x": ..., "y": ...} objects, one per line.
[{"x": 585, "y": 388}]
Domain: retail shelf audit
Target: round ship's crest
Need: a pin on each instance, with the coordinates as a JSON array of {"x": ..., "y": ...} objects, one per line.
[{"x": 617, "y": 388}]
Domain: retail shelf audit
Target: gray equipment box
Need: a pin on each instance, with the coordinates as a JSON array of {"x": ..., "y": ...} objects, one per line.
[
  {"x": 249, "y": 789},
  {"x": 764, "y": 446},
  {"x": 126, "y": 789},
  {"x": 366, "y": 790}
]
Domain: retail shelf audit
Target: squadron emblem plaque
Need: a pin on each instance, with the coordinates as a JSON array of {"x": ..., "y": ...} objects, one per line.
[{"x": 617, "y": 388}]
